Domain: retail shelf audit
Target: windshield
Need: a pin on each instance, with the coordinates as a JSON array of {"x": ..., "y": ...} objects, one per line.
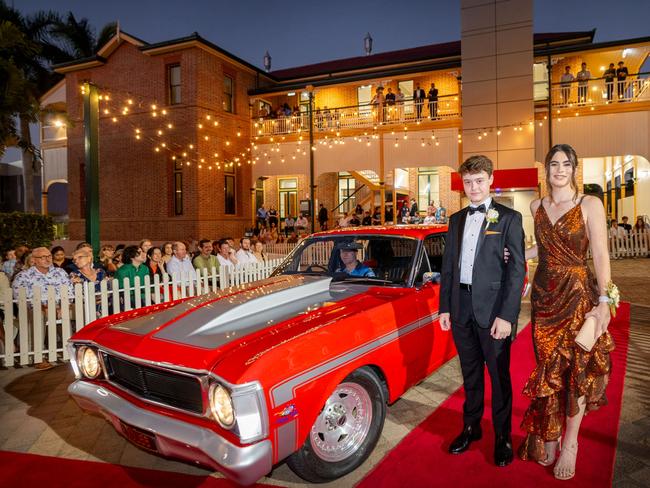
[{"x": 377, "y": 258}]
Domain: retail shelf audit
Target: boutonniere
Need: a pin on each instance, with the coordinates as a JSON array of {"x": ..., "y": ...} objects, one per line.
[{"x": 492, "y": 217}]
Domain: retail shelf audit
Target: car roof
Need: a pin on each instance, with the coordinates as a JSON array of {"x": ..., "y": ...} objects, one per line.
[{"x": 417, "y": 231}]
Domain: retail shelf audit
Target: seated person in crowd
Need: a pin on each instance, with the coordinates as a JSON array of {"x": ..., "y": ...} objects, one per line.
[
  {"x": 205, "y": 259},
  {"x": 367, "y": 219},
  {"x": 59, "y": 258},
  {"x": 180, "y": 265},
  {"x": 133, "y": 259},
  {"x": 350, "y": 264},
  {"x": 9, "y": 263},
  {"x": 155, "y": 262},
  {"x": 354, "y": 221},
  {"x": 293, "y": 238},
  {"x": 225, "y": 257},
  {"x": 244, "y": 255}
]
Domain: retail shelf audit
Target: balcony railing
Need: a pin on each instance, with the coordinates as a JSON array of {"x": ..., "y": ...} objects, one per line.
[
  {"x": 362, "y": 116},
  {"x": 598, "y": 91}
]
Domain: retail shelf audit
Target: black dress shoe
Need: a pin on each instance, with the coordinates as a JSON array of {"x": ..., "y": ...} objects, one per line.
[
  {"x": 502, "y": 450},
  {"x": 461, "y": 443}
]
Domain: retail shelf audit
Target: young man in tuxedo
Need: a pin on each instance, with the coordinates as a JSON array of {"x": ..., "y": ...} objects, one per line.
[{"x": 480, "y": 297}]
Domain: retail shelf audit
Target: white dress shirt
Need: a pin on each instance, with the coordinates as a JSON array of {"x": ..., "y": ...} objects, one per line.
[
  {"x": 473, "y": 228},
  {"x": 182, "y": 269},
  {"x": 245, "y": 257},
  {"x": 224, "y": 261}
]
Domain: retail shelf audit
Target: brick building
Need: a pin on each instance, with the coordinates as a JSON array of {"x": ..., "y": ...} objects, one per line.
[{"x": 224, "y": 156}]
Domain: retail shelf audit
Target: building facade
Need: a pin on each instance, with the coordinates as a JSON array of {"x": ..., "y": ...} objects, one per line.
[{"x": 193, "y": 139}]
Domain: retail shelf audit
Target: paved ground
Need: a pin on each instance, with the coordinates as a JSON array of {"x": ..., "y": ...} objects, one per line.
[{"x": 36, "y": 414}]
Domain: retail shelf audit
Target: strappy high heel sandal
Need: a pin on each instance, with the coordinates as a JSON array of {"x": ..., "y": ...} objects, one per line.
[
  {"x": 550, "y": 459},
  {"x": 563, "y": 474}
]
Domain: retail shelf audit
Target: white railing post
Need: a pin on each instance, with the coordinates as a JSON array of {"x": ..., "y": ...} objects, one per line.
[
  {"x": 37, "y": 325},
  {"x": 8, "y": 324},
  {"x": 51, "y": 325},
  {"x": 24, "y": 329},
  {"x": 66, "y": 327}
]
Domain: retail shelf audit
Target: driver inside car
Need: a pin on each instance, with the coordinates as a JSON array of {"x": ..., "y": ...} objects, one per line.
[{"x": 350, "y": 264}]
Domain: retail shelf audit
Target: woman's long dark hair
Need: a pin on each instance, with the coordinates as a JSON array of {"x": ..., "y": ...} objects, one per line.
[{"x": 573, "y": 159}]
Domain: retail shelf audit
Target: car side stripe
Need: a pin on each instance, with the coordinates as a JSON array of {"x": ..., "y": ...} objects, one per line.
[{"x": 283, "y": 392}]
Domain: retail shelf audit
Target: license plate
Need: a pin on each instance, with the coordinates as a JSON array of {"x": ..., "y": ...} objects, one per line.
[{"x": 139, "y": 437}]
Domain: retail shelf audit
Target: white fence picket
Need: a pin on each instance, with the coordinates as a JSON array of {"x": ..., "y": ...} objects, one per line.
[
  {"x": 23, "y": 327},
  {"x": 9, "y": 324}
]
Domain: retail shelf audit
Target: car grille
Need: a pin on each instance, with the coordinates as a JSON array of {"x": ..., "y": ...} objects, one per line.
[{"x": 157, "y": 385}]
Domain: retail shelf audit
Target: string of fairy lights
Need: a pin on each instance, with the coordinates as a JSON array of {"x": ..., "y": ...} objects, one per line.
[{"x": 136, "y": 112}]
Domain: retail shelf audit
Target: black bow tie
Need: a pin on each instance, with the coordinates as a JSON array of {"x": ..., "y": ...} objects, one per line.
[{"x": 480, "y": 208}]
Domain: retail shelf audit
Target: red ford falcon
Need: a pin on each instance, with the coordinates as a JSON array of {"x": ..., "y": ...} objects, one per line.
[{"x": 297, "y": 367}]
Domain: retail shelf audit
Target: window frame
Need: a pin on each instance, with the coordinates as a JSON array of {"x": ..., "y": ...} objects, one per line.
[
  {"x": 229, "y": 201},
  {"x": 170, "y": 86},
  {"x": 228, "y": 96}
]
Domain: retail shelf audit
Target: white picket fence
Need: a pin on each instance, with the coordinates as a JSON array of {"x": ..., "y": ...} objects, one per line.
[
  {"x": 634, "y": 245},
  {"x": 30, "y": 328}
]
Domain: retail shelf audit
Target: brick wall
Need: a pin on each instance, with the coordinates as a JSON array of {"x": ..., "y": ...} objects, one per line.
[{"x": 135, "y": 181}]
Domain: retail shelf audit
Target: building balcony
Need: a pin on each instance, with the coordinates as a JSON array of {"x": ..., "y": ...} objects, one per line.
[
  {"x": 368, "y": 116},
  {"x": 600, "y": 92}
]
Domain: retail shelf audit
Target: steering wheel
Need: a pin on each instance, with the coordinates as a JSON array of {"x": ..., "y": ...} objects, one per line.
[{"x": 316, "y": 267}]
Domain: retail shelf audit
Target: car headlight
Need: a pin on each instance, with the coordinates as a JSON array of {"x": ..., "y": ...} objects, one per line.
[
  {"x": 221, "y": 405},
  {"x": 88, "y": 362}
]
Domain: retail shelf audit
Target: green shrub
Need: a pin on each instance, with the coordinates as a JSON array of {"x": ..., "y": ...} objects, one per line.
[{"x": 30, "y": 229}]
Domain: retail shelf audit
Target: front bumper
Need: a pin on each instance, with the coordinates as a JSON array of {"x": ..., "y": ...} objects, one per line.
[{"x": 174, "y": 438}]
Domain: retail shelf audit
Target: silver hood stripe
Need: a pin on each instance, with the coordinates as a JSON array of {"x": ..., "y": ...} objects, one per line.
[{"x": 215, "y": 319}]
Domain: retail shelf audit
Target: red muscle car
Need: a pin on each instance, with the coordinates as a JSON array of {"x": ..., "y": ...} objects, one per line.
[{"x": 296, "y": 367}]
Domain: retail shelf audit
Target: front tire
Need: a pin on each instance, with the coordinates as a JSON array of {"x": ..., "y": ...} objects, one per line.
[{"x": 346, "y": 430}]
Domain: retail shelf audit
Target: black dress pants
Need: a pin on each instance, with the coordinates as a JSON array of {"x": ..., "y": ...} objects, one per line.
[{"x": 477, "y": 349}]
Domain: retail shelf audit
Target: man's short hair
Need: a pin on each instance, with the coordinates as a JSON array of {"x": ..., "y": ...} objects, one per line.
[
  {"x": 82, "y": 245},
  {"x": 241, "y": 241},
  {"x": 476, "y": 164},
  {"x": 204, "y": 241},
  {"x": 624, "y": 217},
  {"x": 130, "y": 253},
  {"x": 175, "y": 245},
  {"x": 221, "y": 242}
]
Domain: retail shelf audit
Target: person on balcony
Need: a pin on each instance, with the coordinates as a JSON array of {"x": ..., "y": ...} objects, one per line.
[
  {"x": 583, "y": 77},
  {"x": 565, "y": 82},
  {"x": 399, "y": 99},
  {"x": 390, "y": 103},
  {"x": 418, "y": 100},
  {"x": 621, "y": 75},
  {"x": 432, "y": 96},
  {"x": 609, "y": 76},
  {"x": 377, "y": 103}
]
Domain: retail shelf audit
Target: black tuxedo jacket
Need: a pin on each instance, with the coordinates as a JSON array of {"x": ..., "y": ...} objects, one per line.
[
  {"x": 419, "y": 94},
  {"x": 496, "y": 285}
]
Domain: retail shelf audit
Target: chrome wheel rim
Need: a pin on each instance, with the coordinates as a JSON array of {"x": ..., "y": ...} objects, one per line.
[{"x": 343, "y": 424}]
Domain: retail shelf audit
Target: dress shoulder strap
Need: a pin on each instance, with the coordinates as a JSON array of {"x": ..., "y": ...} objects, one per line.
[{"x": 581, "y": 199}]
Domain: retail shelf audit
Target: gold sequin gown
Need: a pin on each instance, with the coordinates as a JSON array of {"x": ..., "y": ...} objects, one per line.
[{"x": 564, "y": 290}]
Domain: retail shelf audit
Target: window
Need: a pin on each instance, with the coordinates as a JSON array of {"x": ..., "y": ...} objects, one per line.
[
  {"x": 174, "y": 81},
  {"x": 407, "y": 91},
  {"x": 347, "y": 185},
  {"x": 364, "y": 96},
  {"x": 178, "y": 187},
  {"x": 629, "y": 182},
  {"x": 259, "y": 193},
  {"x": 434, "y": 246},
  {"x": 540, "y": 82},
  {"x": 229, "y": 194},
  {"x": 288, "y": 197},
  {"x": 428, "y": 189},
  {"x": 228, "y": 94}
]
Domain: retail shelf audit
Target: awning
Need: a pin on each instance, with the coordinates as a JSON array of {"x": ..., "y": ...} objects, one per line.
[{"x": 504, "y": 179}]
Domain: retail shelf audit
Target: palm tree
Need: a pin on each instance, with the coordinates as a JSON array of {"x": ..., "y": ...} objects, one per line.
[
  {"x": 37, "y": 76},
  {"x": 77, "y": 37},
  {"x": 51, "y": 41}
]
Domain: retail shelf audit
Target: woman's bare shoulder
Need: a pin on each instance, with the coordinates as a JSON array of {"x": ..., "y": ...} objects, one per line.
[{"x": 534, "y": 205}]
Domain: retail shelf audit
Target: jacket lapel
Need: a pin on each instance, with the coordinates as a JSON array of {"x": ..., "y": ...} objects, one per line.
[{"x": 481, "y": 235}]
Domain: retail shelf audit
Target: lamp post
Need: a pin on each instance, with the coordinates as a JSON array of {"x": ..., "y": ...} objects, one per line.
[
  {"x": 312, "y": 186},
  {"x": 91, "y": 157},
  {"x": 367, "y": 43}
]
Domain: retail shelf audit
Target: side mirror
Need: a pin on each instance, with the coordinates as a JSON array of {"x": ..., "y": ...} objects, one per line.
[{"x": 430, "y": 277}]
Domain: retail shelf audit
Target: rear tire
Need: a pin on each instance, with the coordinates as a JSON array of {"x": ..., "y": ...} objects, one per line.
[{"x": 346, "y": 430}]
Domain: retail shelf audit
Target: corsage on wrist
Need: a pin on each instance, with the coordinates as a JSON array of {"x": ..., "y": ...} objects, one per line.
[{"x": 612, "y": 298}]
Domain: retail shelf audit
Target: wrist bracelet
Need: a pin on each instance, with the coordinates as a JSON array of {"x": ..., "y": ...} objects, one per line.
[{"x": 603, "y": 299}]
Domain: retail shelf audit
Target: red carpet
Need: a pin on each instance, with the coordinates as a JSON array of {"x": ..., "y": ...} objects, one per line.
[
  {"x": 28, "y": 470},
  {"x": 421, "y": 459}
]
